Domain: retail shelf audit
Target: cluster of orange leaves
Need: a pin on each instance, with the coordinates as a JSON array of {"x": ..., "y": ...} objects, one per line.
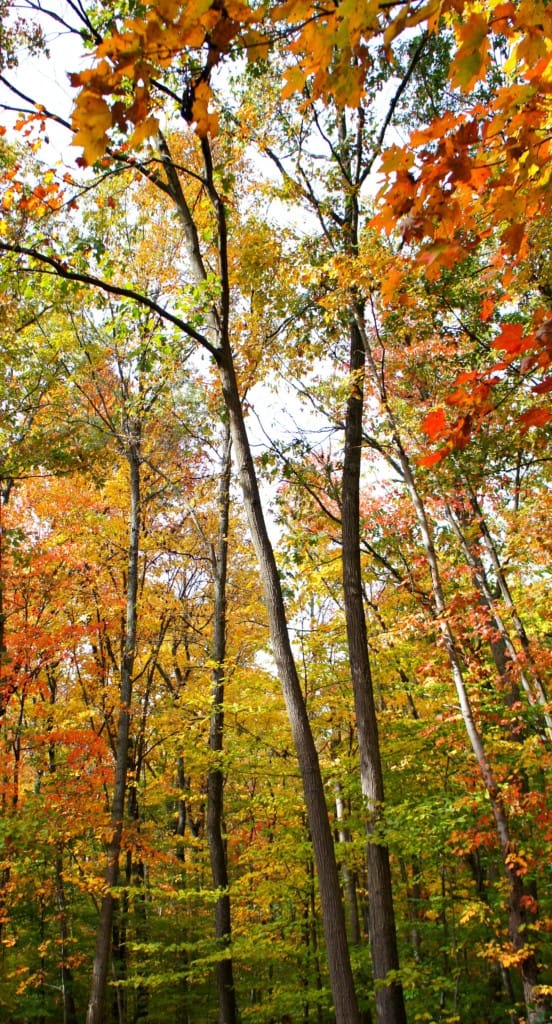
[
  {"x": 127, "y": 61},
  {"x": 483, "y": 176}
]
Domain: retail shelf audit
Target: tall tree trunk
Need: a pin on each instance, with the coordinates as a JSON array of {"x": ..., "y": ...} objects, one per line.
[
  {"x": 69, "y": 1008},
  {"x": 66, "y": 975},
  {"x": 95, "y": 1012},
  {"x": 215, "y": 778},
  {"x": 6, "y": 684},
  {"x": 537, "y": 692},
  {"x": 349, "y": 880},
  {"x": 341, "y": 975},
  {"x": 505, "y": 654},
  {"x": 390, "y": 1007}
]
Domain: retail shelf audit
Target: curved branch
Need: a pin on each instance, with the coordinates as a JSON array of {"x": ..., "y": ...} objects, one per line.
[{"x": 61, "y": 269}]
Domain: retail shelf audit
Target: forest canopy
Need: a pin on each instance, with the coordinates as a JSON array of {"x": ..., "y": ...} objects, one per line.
[{"x": 275, "y": 634}]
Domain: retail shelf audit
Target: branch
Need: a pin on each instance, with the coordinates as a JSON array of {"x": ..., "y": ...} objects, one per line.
[{"x": 61, "y": 269}]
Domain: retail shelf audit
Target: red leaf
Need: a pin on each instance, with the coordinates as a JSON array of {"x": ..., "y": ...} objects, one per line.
[
  {"x": 511, "y": 339},
  {"x": 544, "y": 387},
  {"x": 438, "y": 456},
  {"x": 513, "y": 237},
  {"x": 434, "y": 423},
  {"x": 535, "y": 418}
]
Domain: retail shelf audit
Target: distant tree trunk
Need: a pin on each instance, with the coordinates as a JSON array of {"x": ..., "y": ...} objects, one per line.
[
  {"x": 66, "y": 975},
  {"x": 519, "y": 915},
  {"x": 95, "y": 1012},
  {"x": 505, "y": 655},
  {"x": 215, "y": 778},
  {"x": 389, "y": 998},
  {"x": 6, "y": 685},
  {"x": 68, "y": 999},
  {"x": 349, "y": 880},
  {"x": 535, "y": 688}
]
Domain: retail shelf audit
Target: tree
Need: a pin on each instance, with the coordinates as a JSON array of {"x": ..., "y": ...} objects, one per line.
[{"x": 457, "y": 207}]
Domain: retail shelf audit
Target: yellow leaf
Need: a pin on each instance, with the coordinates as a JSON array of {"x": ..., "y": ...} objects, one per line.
[
  {"x": 144, "y": 130},
  {"x": 91, "y": 118},
  {"x": 206, "y": 121}
]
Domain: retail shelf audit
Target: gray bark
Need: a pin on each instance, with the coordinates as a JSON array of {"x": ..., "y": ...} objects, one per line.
[
  {"x": 390, "y": 1008},
  {"x": 518, "y": 917},
  {"x": 215, "y": 778},
  {"x": 95, "y": 1012}
]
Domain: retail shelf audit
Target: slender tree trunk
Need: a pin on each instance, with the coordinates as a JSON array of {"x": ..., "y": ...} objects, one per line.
[
  {"x": 6, "y": 684},
  {"x": 349, "y": 880},
  {"x": 390, "y": 1007},
  {"x": 534, "y": 688},
  {"x": 69, "y": 1008},
  {"x": 66, "y": 975},
  {"x": 95, "y": 1012},
  {"x": 518, "y": 915},
  {"x": 215, "y": 778},
  {"x": 341, "y": 975}
]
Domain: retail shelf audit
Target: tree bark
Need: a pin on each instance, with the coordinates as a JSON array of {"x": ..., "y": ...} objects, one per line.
[
  {"x": 341, "y": 976},
  {"x": 389, "y": 998},
  {"x": 339, "y": 964},
  {"x": 95, "y": 1012},
  {"x": 518, "y": 915},
  {"x": 215, "y": 777}
]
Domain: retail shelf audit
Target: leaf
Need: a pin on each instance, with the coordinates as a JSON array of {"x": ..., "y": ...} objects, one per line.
[
  {"x": 434, "y": 457},
  {"x": 510, "y": 339},
  {"x": 535, "y": 418},
  {"x": 206, "y": 121},
  {"x": 92, "y": 119},
  {"x": 435, "y": 423},
  {"x": 143, "y": 131},
  {"x": 513, "y": 237}
]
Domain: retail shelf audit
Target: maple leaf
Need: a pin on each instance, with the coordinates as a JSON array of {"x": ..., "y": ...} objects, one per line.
[
  {"x": 206, "y": 120},
  {"x": 511, "y": 340},
  {"x": 435, "y": 423},
  {"x": 143, "y": 131},
  {"x": 535, "y": 418},
  {"x": 92, "y": 119}
]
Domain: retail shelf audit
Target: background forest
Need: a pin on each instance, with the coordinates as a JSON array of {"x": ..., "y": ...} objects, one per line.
[{"x": 275, "y": 633}]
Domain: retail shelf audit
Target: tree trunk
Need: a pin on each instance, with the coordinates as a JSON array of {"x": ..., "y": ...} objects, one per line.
[
  {"x": 390, "y": 1007},
  {"x": 95, "y": 1012},
  {"x": 536, "y": 693},
  {"x": 518, "y": 915},
  {"x": 341, "y": 976},
  {"x": 215, "y": 778}
]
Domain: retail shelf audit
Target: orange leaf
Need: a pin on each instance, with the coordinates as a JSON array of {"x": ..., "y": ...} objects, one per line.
[
  {"x": 535, "y": 418},
  {"x": 206, "y": 121},
  {"x": 143, "y": 131},
  {"x": 435, "y": 423},
  {"x": 435, "y": 457},
  {"x": 510, "y": 339}
]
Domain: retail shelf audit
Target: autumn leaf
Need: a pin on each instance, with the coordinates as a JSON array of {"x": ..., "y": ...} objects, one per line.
[
  {"x": 206, "y": 120},
  {"x": 143, "y": 131},
  {"x": 535, "y": 418},
  {"x": 92, "y": 119},
  {"x": 510, "y": 339},
  {"x": 435, "y": 423}
]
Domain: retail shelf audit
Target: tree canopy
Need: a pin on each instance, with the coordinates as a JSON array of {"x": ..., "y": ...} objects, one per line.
[{"x": 275, "y": 650}]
